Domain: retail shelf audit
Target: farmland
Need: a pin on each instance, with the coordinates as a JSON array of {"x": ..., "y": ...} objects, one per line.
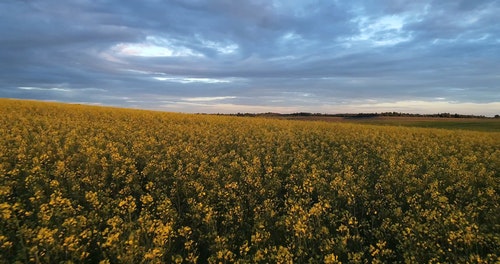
[
  {"x": 95, "y": 184},
  {"x": 473, "y": 124}
]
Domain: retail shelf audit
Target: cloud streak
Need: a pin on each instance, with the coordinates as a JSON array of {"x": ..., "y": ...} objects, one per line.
[{"x": 316, "y": 56}]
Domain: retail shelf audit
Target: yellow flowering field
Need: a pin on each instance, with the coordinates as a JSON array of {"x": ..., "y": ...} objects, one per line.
[{"x": 108, "y": 185}]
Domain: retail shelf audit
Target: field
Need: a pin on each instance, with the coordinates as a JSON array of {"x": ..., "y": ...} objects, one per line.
[
  {"x": 108, "y": 185},
  {"x": 475, "y": 124}
]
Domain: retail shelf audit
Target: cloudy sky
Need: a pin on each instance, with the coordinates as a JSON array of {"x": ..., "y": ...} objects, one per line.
[{"x": 284, "y": 56}]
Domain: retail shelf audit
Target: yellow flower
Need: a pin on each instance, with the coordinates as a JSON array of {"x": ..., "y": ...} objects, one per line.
[
  {"x": 5, "y": 243},
  {"x": 146, "y": 199},
  {"x": 331, "y": 259},
  {"x": 5, "y": 211}
]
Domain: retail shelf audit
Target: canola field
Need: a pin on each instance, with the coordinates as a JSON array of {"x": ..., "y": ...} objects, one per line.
[{"x": 108, "y": 185}]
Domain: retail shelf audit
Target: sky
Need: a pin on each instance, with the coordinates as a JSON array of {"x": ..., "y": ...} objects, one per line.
[{"x": 286, "y": 56}]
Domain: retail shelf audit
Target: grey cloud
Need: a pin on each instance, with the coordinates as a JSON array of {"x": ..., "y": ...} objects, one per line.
[{"x": 271, "y": 53}]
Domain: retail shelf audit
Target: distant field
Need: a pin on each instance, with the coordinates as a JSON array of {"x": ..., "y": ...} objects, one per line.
[
  {"x": 83, "y": 184},
  {"x": 476, "y": 124}
]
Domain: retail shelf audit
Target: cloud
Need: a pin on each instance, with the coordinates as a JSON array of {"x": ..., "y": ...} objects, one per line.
[
  {"x": 260, "y": 54},
  {"x": 45, "y": 89},
  {"x": 191, "y": 80},
  {"x": 154, "y": 47},
  {"x": 208, "y": 99}
]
